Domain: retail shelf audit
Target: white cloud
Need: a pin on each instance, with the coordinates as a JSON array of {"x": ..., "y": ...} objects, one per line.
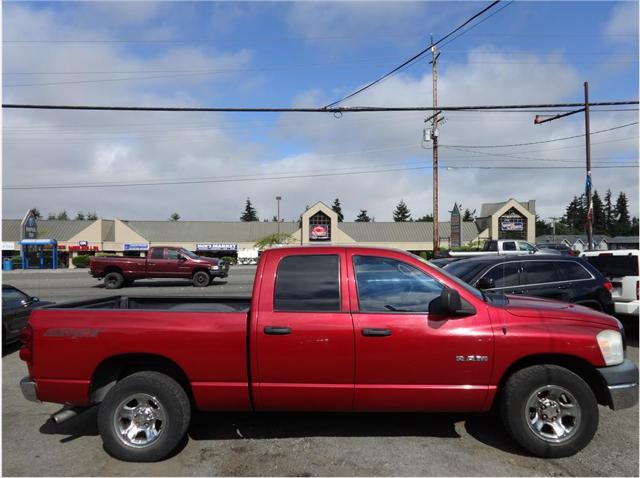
[{"x": 622, "y": 25}]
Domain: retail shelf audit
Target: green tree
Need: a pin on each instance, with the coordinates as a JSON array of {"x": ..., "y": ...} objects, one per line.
[
  {"x": 542, "y": 227},
  {"x": 425, "y": 218},
  {"x": 80, "y": 216},
  {"x": 274, "y": 239},
  {"x": 363, "y": 217},
  {"x": 92, "y": 216},
  {"x": 62, "y": 216},
  {"x": 469, "y": 215},
  {"x": 337, "y": 208},
  {"x": 175, "y": 217},
  {"x": 599, "y": 215},
  {"x": 574, "y": 217},
  {"x": 402, "y": 213},
  {"x": 622, "y": 218},
  {"x": 36, "y": 213},
  {"x": 250, "y": 213},
  {"x": 608, "y": 213}
]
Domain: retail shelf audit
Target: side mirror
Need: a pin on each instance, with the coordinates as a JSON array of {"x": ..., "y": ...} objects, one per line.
[
  {"x": 34, "y": 299},
  {"x": 485, "y": 283},
  {"x": 450, "y": 302}
]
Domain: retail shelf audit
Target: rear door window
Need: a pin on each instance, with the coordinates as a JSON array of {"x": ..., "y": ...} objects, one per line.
[
  {"x": 308, "y": 283},
  {"x": 572, "y": 270},
  {"x": 508, "y": 246},
  {"x": 539, "y": 272},
  {"x": 157, "y": 253}
]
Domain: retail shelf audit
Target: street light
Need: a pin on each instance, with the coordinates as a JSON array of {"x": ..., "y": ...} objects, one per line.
[{"x": 278, "y": 198}]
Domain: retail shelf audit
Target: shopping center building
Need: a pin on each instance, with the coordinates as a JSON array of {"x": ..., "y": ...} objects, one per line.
[{"x": 41, "y": 243}]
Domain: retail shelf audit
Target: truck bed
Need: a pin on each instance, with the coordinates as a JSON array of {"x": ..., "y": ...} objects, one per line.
[{"x": 122, "y": 302}]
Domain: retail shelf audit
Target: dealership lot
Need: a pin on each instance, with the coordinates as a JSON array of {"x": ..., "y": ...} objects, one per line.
[{"x": 290, "y": 444}]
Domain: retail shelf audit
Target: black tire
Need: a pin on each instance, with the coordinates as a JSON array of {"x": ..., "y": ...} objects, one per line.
[
  {"x": 201, "y": 279},
  {"x": 113, "y": 280},
  {"x": 516, "y": 414},
  {"x": 172, "y": 401}
]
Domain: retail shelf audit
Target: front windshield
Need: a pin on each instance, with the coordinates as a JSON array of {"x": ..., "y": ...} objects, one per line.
[
  {"x": 455, "y": 279},
  {"x": 189, "y": 254}
]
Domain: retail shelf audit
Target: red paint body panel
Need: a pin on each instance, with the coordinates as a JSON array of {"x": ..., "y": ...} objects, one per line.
[{"x": 325, "y": 363}]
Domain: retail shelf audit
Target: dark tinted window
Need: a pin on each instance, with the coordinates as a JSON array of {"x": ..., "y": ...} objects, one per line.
[
  {"x": 615, "y": 266},
  {"x": 539, "y": 272},
  {"x": 172, "y": 254},
  {"x": 388, "y": 285},
  {"x": 572, "y": 270},
  {"x": 466, "y": 269},
  {"x": 12, "y": 297},
  {"x": 157, "y": 253},
  {"x": 505, "y": 275},
  {"x": 508, "y": 246},
  {"x": 308, "y": 283}
]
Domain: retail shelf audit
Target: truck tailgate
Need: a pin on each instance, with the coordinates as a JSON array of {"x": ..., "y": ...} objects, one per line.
[{"x": 209, "y": 347}]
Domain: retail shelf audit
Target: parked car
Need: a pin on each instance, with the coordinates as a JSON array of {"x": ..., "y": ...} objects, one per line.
[
  {"x": 560, "y": 249},
  {"x": 16, "y": 307},
  {"x": 502, "y": 247},
  {"x": 161, "y": 262},
  {"x": 443, "y": 261},
  {"x": 621, "y": 268},
  {"x": 330, "y": 329},
  {"x": 564, "y": 278}
]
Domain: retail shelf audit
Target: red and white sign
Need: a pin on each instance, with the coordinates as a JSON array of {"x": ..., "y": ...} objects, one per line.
[{"x": 319, "y": 232}]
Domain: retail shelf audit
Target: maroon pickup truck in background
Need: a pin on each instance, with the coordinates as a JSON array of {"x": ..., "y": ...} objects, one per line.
[
  {"x": 351, "y": 329},
  {"x": 161, "y": 262}
]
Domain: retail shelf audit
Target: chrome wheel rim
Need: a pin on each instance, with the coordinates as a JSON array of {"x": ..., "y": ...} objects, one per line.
[
  {"x": 553, "y": 413},
  {"x": 139, "y": 420}
]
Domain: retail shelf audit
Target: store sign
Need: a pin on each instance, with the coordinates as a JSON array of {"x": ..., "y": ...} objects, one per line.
[
  {"x": 511, "y": 223},
  {"x": 319, "y": 232},
  {"x": 84, "y": 248},
  {"x": 29, "y": 226},
  {"x": 8, "y": 246},
  {"x": 83, "y": 243},
  {"x": 136, "y": 247},
  {"x": 456, "y": 227},
  {"x": 209, "y": 246}
]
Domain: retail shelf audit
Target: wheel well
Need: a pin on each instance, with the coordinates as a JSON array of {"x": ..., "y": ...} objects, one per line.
[
  {"x": 579, "y": 366},
  {"x": 116, "y": 368},
  {"x": 199, "y": 269},
  {"x": 110, "y": 269}
]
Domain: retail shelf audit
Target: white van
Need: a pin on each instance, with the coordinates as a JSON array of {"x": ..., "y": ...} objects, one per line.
[{"x": 621, "y": 268}]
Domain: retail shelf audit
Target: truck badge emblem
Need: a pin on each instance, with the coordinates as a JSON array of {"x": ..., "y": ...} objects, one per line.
[{"x": 472, "y": 358}]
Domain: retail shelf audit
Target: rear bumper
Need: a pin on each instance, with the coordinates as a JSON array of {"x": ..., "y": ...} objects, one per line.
[
  {"x": 622, "y": 384},
  {"x": 29, "y": 389},
  {"x": 628, "y": 308}
]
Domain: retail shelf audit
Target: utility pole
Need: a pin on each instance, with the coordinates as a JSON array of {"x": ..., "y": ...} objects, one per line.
[
  {"x": 588, "y": 183},
  {"x": 278, "y": 198},
  {"x": 434, "y": 135},
  {"x": 553, "y": 227}
]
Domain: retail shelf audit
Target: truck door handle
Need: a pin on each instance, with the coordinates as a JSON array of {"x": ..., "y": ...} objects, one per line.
[
  {"x": 269, "y": 330},
  {"x": 376, "y": 332}
]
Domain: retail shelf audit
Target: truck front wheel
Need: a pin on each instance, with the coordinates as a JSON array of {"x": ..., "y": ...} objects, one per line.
[
  {"x": 113, "y": 280},
  {"x": 549, "y": 410},
  {"x": 144, "y": 417},
  {"x": 201, "y": 279}
]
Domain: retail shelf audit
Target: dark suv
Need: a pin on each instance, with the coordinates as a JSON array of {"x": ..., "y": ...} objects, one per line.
[{"x": 564, "y": 278}]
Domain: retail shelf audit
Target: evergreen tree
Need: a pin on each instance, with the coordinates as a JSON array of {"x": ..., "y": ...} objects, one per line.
[
  {"x": 621, "y": 212},
  {"x": 468, "y": 215},
  {"x": 92, "y": 216},
  {"x": 36, "y": 213},
  {"x": 337, "y": 208},
  {"x": 599, "y": 216},
  {"x": 425, "y": 218},
  {"x": 80, "y": 216},
  {"x": 402, "y": 212},
  {"x": 542, "y": 227},
  {"x": 250, "y": 213},
  {"x": 62, "y": 216},
  {"x": 608, "y": 213},
  {"x": 175, "y": 217},
  {"x": 362, "y": 217}
]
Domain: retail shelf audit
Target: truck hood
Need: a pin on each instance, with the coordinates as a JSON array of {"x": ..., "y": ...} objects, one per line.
[
  {"x": 207, "y": 260},
  {"x": 536, "y": 307}
]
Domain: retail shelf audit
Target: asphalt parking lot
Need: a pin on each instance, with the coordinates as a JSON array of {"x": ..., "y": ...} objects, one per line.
[{"x": 286, "y": 444}]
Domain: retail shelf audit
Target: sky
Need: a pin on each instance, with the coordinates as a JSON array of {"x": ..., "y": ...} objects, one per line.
[{"x": 294, "y": 54}]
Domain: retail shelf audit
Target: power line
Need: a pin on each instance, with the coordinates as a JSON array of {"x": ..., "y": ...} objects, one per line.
[
  {"x": 475, "y": 25},
  {"x": 337, "y": 110},
  {"x": 413, "y": 58},
  {"x": 540, "y": 142},
  {"x": 299, "y": 176}
]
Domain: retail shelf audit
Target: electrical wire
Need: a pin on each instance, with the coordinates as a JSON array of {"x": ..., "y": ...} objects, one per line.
[
  {"x": 413, "y": 58},
  {"x": 476, "y": 24}
]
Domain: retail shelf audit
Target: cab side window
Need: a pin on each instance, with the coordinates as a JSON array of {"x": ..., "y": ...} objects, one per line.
[
  {"x": 509, "y": 246},
  {"x": 157, "y": 253},
  {"x": 308, "y": 283},
  {"x": 172, "y": 254},
  {"x": 389, "y": 285}
]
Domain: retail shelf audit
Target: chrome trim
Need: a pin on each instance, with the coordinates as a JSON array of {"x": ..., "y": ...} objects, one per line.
[
  {"x": 29, "y": 389},
  {"x": 623, "y": 396}
]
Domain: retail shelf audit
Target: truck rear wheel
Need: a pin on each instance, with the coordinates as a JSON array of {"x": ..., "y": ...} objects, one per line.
[
  {"x": 549, "y": 410},
  {"x": 201, "y": 279},
  {"x": 113, "y": 280},
  {"x": 144, "y": 417}
]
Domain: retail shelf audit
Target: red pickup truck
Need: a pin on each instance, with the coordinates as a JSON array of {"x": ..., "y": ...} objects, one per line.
[
  {"x": 331, "y": 329},
  {"x": 161, "y": 262}
]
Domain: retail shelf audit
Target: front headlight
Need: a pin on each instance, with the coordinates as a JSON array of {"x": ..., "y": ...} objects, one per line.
[
  {"x": 610, "y": 343},
  {"x": 214, "y": 268}
]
